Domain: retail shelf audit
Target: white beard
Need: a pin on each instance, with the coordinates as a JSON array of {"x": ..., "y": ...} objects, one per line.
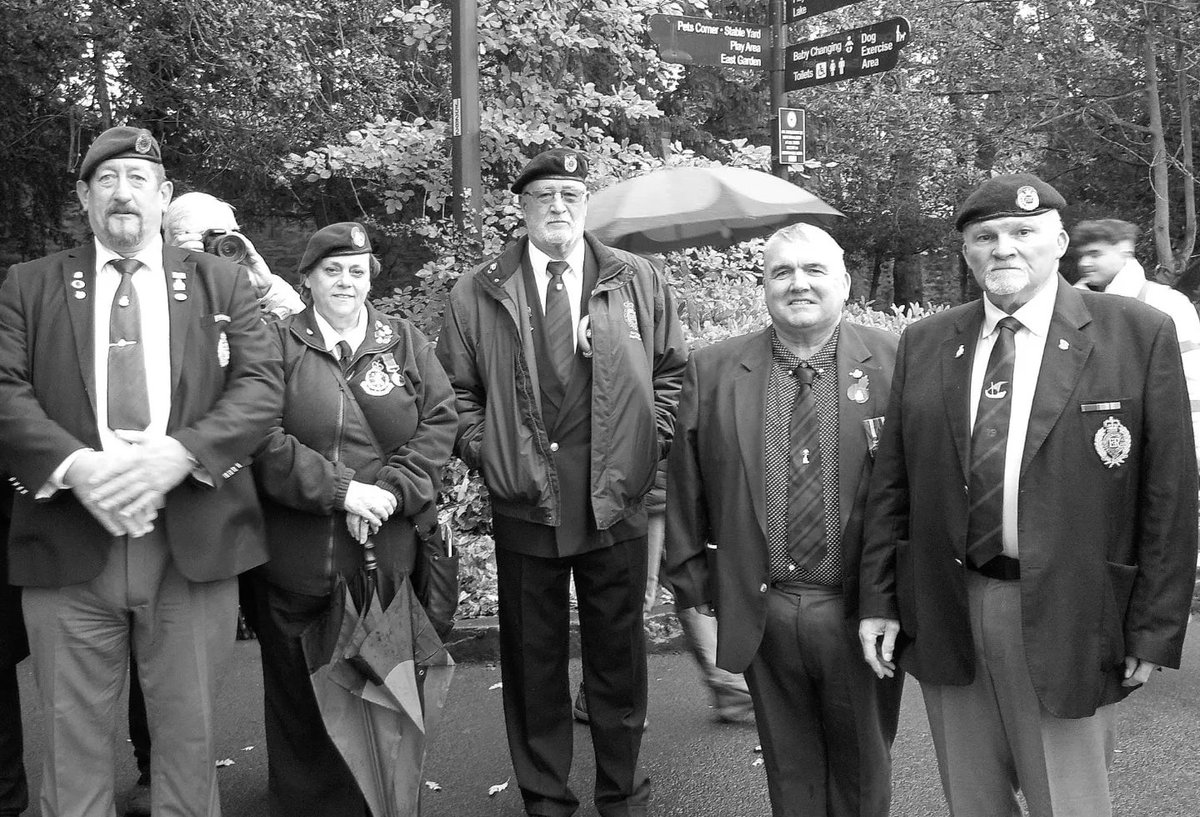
[{"x": 1005, "y": 281}]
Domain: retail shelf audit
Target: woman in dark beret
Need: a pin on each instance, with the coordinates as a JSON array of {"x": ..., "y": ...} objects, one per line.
[{"x": 368, "y": 423}]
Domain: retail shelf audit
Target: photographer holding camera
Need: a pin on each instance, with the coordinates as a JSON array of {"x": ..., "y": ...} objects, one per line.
[{"x": 198, "y": 221}]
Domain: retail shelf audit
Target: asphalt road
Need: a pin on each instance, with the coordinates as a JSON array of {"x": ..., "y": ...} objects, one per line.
[{"x": 698, "y": 768}]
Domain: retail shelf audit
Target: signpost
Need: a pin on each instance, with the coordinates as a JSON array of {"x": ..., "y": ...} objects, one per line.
[
  {"x": 799, "y": 9},
  {"x": 701, "y": 41},
  {"x": 845, "y": 55},
  {"x": 791, "y": 136}
]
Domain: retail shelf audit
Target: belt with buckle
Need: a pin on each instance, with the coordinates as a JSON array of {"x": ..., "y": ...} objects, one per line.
[{"x": 1004, "y": 568}]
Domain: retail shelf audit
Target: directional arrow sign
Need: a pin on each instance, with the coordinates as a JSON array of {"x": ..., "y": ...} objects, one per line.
[
  {"x": 845, "y": 55},
  {"x": 701, "y": 41},
  {"x": 799, "y": 9}
]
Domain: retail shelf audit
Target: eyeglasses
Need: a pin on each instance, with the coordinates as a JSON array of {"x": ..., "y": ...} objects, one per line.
[{"x": 546, "y": 197}]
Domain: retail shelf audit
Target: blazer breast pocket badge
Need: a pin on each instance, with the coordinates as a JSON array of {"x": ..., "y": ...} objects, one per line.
[{"x": 1113, "y": 442}]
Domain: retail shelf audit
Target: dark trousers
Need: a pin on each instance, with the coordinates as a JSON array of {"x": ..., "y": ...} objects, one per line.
[
  {"x": 826, "y": 723},
  {"x": 534, "y": 654},
  {"x": 14, "y": 792},
  {"x": 306, "y": 775}
]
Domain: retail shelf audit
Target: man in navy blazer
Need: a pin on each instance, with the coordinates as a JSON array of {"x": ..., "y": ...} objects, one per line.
[
  {"x": 125, "y": 530},
  {"x": 787, "y": 602},
  {"x": 1031, "y": 572}
]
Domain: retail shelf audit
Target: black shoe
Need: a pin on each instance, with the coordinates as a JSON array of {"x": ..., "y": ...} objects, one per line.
[{"x": 579, "y": 708}]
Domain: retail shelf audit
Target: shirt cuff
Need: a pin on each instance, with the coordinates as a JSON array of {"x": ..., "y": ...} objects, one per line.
[{"x": 57, "y": 481}]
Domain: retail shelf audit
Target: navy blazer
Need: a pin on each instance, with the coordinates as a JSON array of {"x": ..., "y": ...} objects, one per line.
[
  {"x": 716, "y": 540},
  {"x": 221, "y": 407},
  {"x": 1107, "y": 545}
]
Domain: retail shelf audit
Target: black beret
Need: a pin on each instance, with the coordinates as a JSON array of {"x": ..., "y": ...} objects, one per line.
[
  {"x": 1013, "y": 194},
  {"x": 343, "y": 238},
  {"x": 556, "y": 163},
  {"x": 121, "y": 142}
]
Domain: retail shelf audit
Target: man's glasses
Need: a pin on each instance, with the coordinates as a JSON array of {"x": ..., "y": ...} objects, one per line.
[{"x": 546, "y": 197}]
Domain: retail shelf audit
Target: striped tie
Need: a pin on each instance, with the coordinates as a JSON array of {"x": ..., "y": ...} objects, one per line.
[
  {"x": 806, "y": 505},
  {"x": 128, "y": 399},
  {"x": 560, "y": 334},
  {"x": 989, "y": 441}
]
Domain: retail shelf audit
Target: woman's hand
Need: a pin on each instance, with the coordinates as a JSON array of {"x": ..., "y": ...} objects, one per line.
[
  {"x": 370, "y": 502},
  {"x": 359, "y": 527}
]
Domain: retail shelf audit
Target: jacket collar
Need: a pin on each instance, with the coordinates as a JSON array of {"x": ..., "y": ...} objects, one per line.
[{"x": 495, "y": 274}]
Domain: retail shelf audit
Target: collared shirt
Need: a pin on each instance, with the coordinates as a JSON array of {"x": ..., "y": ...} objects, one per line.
[
  {"x": 782, "y": 387},
  {"x": 150, "y": 283},
  {"x": 572, "y": 280},
  {"x": 353, "y": 336},
  {"x": 1030, "y": 341}
]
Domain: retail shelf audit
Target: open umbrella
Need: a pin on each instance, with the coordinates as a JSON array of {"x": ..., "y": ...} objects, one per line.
[
  {"x": 678, "y": 207},
  {"x": 381, "y": 677}
]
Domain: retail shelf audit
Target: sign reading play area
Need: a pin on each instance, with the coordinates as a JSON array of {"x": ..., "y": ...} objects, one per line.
[
  {"x": 701, "y": 41},
  {"x": 845, "y": 55}
]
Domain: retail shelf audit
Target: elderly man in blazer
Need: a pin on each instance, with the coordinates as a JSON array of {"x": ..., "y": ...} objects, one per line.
[
  {"x": 1031, "y": 527},
  {"x": 135, "y": 381},
  {"x": 765, "y": 488}
]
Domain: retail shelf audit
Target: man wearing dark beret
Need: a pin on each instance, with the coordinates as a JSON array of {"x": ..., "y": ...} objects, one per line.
[
  {"x": 135, "y": 382},
  {"x": 566, "y": 357},
  {"x": 1031, "y": 523}
]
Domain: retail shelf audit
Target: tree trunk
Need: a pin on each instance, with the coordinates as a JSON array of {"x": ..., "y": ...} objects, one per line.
[
  {"x": 876, "y": 271},
  {"x": 1159, "y": 178},
  {"x": 1183, "y": 92},
  {"x": 908, "y": 285}
]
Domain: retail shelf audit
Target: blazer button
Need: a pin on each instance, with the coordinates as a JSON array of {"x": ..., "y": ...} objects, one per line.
[
  {"x": 762, "y": 588},
  {"x": 553, "y": 446}
]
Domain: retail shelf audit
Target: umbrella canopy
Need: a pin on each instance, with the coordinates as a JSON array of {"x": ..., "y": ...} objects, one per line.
[
  {"x": 381, "y": 678},
  {"x": 678, "y": 207}
]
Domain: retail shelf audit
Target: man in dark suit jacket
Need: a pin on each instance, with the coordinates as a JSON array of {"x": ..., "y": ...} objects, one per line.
[
  {"x": 776, "y": 428},
  {"x": 133, "y": 513},
  {"x": 1035, "y": 570},
  {"x": 566, "y": 357}
]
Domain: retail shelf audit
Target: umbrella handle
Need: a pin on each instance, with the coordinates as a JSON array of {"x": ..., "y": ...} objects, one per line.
[{"x": 370, "y": 563}]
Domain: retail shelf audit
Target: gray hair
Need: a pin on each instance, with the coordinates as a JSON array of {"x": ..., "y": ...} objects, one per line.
[{"x": 801, "y": 233}]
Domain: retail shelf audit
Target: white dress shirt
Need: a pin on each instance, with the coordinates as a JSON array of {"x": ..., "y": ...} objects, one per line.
[
  {"x": 572, "y": 280},
  {"x": 1030, "y": 341},
  {"x": 354, "y": 336}
]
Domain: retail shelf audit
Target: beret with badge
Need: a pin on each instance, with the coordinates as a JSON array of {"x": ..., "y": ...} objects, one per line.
[
  {"x": 556, "y": 163},
  {"x": 343, "y": 238},
  {"x": 121, "y": 142},
  {"x": 1012, "y": 194}
]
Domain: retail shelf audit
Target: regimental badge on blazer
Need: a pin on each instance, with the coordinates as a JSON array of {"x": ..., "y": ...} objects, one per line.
[
  {"x": 383, "y": 332},
  {"x": 1113, "y": 442},
  {"x": 376, "y": 381},
  {"x": 631, "y": 321},
  {"x": 223, "y": 350}
]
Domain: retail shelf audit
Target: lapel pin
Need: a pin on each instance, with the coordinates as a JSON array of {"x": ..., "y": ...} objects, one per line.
[
  {"x": 80, "y": 294},
  {"x": 1062, "y": 344},
  {"x": 77, "y": 274},
  {"x": 178, "y": 285},
  {"x": 78, "y": 284},
  {"x": 959, "y": 352},
  {"x": 180, "y": 296},
  {"x": 856, "y": 374}
]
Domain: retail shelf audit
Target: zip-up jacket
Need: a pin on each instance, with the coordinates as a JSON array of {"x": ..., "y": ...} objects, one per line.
[
  {"x": 638, "y": 356},
  {"x": 396, "y": 432}
]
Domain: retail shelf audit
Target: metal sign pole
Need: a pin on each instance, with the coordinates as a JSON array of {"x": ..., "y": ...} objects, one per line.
[
  {"x": 464, "y": 84},
  {"x": 778, "y": 95}
]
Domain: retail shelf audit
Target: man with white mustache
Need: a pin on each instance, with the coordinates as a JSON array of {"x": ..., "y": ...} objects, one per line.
[{"x": 1030, "y": 538}]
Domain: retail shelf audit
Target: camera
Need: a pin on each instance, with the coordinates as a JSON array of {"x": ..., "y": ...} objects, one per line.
[{"x": 227, "y": 244}]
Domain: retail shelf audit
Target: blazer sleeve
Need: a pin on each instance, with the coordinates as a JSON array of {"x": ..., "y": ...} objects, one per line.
[
  {"x": 886, "y": 519},
  {"x": 1166, "y": 538},
  {"x": 413, "y": 471},
  {"x": 456, "y": 353},
  {"x": 234, "y": 425},
  {"x": 687, "y": 515},
  {"x": 670, "y": 357}
]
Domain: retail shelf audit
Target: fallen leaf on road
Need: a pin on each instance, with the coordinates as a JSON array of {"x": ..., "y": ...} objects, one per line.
[
  {"x": 247, "y": 748},
  {"x": 758, "y": 748},
  {"x": 226, "y": 762},
  {"x": 758, "y": 761},
  {"x": 429, "y": 784},
  {"x": 499, "y": 787},
  {"x": 495, "y": 686}
]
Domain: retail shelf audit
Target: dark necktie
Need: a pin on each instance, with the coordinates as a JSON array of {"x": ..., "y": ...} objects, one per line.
[
  {"x": 989, "y": 441},
  {"x": 345, "y": 355},
  {"x": 806, "y": 505},
  {"x": 128, "y": 399},
  {"x": 560, "y": 331}
]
